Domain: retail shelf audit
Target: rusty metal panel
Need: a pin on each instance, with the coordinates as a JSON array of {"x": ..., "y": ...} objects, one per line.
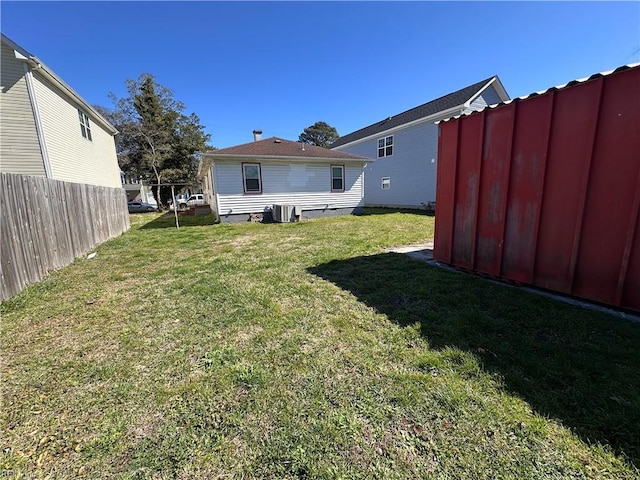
[
  {"x": 565, "y": 185},
  {"x": 528, "y": 161},
  {"x": 631, "y": 289},
  {"x": 466, "y": 188},
  {"x": 494, "y": 181},
  {"x": 445, "y": 190},
  {"x": 545, "y": 190},
  {"x": 611, "y": 191}
]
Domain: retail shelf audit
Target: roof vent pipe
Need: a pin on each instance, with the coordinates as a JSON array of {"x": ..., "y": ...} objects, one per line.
[{"x": 257, "y": 135}]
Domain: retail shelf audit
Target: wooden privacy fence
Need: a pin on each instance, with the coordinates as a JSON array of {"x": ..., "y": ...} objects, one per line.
[{"x": 45, "y": 224}]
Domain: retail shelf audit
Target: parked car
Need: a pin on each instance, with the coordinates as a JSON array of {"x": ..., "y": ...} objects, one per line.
[
  {"x": 138, "y": 207},
  {"x": 192, "y": 201},
  {"x": 180, "y": 198}
]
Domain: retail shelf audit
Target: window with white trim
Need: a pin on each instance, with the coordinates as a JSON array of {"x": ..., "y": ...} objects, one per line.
[
  {"x": 85, "y": 126},
  {"x": 337, "y": 178},
  {"x": 386, "y": 183},
  {"x": 252, "y": 178},
  {"x": 385, "y": 146}
]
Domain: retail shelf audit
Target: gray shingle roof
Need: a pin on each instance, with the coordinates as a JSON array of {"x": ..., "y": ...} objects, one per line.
[
  {"x": 279, "y": 148},
  {"x": 446, "y": 102},
  {"x": 622, "y": 68}
]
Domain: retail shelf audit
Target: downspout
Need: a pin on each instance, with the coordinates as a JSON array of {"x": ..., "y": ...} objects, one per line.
[
  {"x": 215, "y": 191},
  {"x": 38, "y": 119}
]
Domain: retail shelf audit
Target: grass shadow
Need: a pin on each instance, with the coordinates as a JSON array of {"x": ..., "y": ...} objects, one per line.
[
  {"x": 385, "y": 211},
  {"x": 168, "y": 220},
  {"x": 577, "y": 366}
]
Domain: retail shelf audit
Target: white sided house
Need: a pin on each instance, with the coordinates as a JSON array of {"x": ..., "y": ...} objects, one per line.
[
  {"x": 405, "y": 146},
  {"x": 47, "y": 129},
  {"x": 301, "y": 180}
]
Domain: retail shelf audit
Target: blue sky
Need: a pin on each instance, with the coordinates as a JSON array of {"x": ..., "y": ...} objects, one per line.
[{"x": 282, "y": 66}]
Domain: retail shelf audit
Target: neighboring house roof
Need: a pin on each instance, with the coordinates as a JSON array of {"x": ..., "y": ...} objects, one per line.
[
  {"x": 551, "y": 89},
  {"x": 456, "y": 100},
  {"x": 277, "y": 148},
  {"x": 37, "y": 65}
]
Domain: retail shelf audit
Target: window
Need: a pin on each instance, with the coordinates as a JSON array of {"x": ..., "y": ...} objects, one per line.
[
  {"x": 386, "y": 183},
  {"x": 252, "y": 178},
  {"x": 385, "y": 147},
  {"x": 337, "y": 178},
  {"x": 85, "y": 127}
]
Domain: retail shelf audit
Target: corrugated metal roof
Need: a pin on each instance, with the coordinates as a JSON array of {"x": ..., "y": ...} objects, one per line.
[{"x": 544, "y": 92}]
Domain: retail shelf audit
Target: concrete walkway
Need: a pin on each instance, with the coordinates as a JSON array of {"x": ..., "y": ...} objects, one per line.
[{"x": 421, "y": 251}]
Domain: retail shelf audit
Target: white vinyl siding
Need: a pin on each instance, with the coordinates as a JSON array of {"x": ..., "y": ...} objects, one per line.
[
  {"x": 412, "y": 167},
  {"x": 19, "y": 145},
  {"x": 72, "y": 157},
  {"x": 414, "y": 162},
  {"x": 307, "y": 185}
]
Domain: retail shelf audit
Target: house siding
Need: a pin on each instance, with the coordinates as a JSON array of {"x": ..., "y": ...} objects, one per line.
[
  {"x": 306, "y": 185},
  {"x": 489, "y": 96},
  {"x": 19, "y": 145},
  {"x": 74, "y": 158},
  {"x": 209, "y": 189},
  {"x": 411, "y": 168}
]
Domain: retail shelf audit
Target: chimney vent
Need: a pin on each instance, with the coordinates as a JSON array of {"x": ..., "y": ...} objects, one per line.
[{"x": 257, "y": 135}]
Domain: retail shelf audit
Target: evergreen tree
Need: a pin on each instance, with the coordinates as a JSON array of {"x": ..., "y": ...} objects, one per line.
[
  {"x": 320, "y": 133},
  {"x": 156, "y": 141}
]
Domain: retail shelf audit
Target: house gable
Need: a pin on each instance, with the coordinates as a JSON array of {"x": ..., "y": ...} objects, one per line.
[
  {"x": 492, "y": 94},
  {"x": 48, "y": 129},
  {"x": 73, "y": 156},
  {"x": 19, "y": 145}
]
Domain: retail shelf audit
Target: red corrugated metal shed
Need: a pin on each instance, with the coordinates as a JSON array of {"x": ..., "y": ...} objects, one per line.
[{"x": 545, "y": 189}]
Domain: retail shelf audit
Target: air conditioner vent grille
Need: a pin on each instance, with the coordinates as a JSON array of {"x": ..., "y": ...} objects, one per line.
[{"x": 286, "y": 213}]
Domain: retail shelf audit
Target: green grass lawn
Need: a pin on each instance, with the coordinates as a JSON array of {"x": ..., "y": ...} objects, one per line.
[{"x": 307, "y": 351}]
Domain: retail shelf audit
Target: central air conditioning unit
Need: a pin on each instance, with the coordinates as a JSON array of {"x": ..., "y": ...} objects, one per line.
[{"x": 285, "y": 213}]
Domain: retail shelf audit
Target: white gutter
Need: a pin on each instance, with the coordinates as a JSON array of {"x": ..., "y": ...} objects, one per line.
[
  {"x": 52, "y": 77},
  {"x": 35, "y": 63},
  {"x": 38, "y": 120},
  {"x": 215, "y": 190},
  {"x": 431, "y": 118},
  {"x": 200, "y": 167}
]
